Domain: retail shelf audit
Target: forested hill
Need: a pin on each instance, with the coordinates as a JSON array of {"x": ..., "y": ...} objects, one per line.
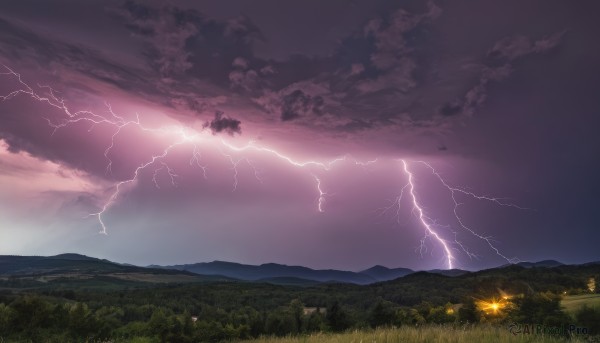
[
  {"x": 81, "y": 266},
  {"x": 74, "y": 269},
  {"x": 274, "y": 271}
]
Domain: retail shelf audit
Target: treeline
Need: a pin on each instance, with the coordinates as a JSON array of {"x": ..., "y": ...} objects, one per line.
[
  {"x": 43, "y": 318},
  {"x": 48, "y": 319}
]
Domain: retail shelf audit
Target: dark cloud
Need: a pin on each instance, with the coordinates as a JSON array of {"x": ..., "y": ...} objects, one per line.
[
  {"x": 247, "y": 80},
  {"x": 166, "y": 32},
  {"x": 24, "y": 46},
  {"x": 346, "y": 89},
  {"x": 297, "y": 104},
  {"x": 497, "y": 67},
  {"x": 513, "y": 47},
  {"x": 393, "y": 57},
  {"x": 184, "y": 43},
  {"x": 294, "y": 104},
  {"x": 451, "y": 109},
  {"x": 223, "y": 123},
  {"x": 198, "y": 64},
  {"x": 356, "y": 125},
  {"x": 184, "y": 47}
]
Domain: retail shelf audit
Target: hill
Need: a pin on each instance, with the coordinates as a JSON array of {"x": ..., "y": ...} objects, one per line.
[
  {"x": 545, "y": 263},
  {"x": 449, "y": 272},
  {"x": 381, "y": 273},
  {"x": 539, "y": 264},
  {"x": 273, "y": 270},
  {"x": 74, "y": 270}
]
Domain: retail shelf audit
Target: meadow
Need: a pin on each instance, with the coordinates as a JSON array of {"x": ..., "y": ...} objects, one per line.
[
  {"x": 427, "y": 333},
  {"x": 572, "y": 303}
]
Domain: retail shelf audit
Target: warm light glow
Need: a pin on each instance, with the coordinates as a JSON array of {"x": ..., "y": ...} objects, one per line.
[
  {"x": 493, "y": 306},
  {"x": 504, "y": 295}
]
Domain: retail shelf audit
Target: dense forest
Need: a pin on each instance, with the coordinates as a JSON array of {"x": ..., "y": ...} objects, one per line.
[{"x": 64, "y": 310}]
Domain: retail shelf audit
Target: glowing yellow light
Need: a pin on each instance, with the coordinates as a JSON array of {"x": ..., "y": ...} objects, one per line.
[
  {"x": 504, "y": 295},
  {"x": 492, "y": 306}
]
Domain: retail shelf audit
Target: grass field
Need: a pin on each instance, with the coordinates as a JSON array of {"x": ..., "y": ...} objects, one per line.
[
  {"x": 429, "y": 334},
  {"x": 572, "y": 303}
]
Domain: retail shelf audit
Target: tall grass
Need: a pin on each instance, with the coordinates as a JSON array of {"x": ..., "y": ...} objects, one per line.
[
  {"x": 572, "y": 303},
  {"x": 429, "y": 334}
]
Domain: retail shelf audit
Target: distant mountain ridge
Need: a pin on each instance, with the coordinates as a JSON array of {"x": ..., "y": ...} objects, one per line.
[
  {"x": 544, "y": 263},
  {"x": 44, "y": 269},
  {"x": 539, "y": 264},
  {"x": 77, "y": 265},
  {"x": 381, "y": 273},
  {"x": 449, "y": 272},
  {"x": 272, "y": 271}
]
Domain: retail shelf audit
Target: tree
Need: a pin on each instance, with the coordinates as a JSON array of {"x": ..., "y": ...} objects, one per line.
[
  {"x": 158, "y": 324},
  {"x": 541, "y": 308},
  {"x": 31, "y": 315},
  {"x": 296, "y": 309},
  {"x": 81, "y": 321},
  {"x": 6, "y": 317},
  {"x": 175, "y": 330},
  {"x": 440, "y": 315},
  {"x": 382, "y": 314},
  {"x": 188, "y": 324},
  {"x": 336, "y": 317},
  {"x": 132, "y": 329},
  {"x": 415, "y": 317},
  {"x": 468, "y": 312},
  {"x": 314, "y": 322},
  {"x": 108, "y": 319},
  {"x": 280, "y": 323}
]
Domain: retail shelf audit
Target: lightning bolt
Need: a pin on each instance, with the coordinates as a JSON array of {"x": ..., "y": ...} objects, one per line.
[
  {"x": 424, "y": 219},
  {"x": 187, "y": 136},
  {"x": 454, "y": 191},
  {"x": 134, "y": 178},
  {"x": 170, "y": 172},
  {"x": 430, "y": 224},
  {"x": 195, "y": 159},
  {"x": 321, "y": 200}
]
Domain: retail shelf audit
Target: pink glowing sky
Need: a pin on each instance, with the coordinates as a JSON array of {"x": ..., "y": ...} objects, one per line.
[{"x": 506, "y": 110}]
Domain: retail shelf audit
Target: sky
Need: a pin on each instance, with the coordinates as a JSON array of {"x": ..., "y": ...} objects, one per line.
[{"x": 338, "y": 134}]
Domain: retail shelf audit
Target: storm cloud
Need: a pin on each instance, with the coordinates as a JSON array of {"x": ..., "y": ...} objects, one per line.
[
  {"x": 222, "y": 123},
  {"x": 142, "y": 103}
]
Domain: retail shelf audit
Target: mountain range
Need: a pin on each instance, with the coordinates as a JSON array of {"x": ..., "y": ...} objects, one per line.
[
  {"x": 271, "y": 272},
  {"x": 66, "y": 266},
  {"x": 36, "y": 271}
]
